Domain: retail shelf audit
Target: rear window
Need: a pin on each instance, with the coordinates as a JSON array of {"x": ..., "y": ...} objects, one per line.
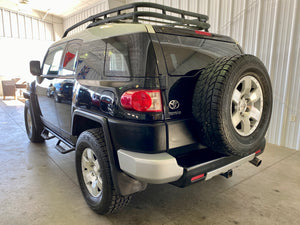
[{"x": 184, "y": 54}]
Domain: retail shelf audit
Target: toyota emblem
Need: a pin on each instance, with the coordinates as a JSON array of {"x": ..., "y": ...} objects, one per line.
[{"x": 174, "y": 104}]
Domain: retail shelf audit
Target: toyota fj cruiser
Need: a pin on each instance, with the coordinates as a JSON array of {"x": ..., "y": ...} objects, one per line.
[{"x": 148, "y": 104}]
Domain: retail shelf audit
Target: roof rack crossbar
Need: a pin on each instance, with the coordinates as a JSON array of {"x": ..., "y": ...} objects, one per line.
[
  {"x": 195, "y": 21},
  {"x": 167, "y": 23},
  {"x": 183, "y": 22}
]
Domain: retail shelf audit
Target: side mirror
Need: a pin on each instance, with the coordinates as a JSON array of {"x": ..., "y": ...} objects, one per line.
[{"x": 35, "y": 68}]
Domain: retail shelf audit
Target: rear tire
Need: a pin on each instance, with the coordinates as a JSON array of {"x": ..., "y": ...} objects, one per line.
[
  {"x": 94, "y": 174},
  {"x": 233, "y": 104},
  {"x": 33, "y": 131}
]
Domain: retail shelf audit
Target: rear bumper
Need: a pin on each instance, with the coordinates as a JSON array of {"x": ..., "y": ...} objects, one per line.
[
  {"x": 150, "y": 168},
  {"x": 228, "y": 167},
  {"x": 163, "y": 168}
]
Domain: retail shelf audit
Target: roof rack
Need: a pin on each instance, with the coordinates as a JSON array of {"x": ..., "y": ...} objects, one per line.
[{"x": 135, "y": 13}]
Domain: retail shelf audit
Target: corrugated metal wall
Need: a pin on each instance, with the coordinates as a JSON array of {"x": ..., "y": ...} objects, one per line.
[
  {"x": 269, "y": 29},
  {"x": 20, "y": 26},
  {"x": 83, "y": 14},
  {"x": 24, "y": 38}
]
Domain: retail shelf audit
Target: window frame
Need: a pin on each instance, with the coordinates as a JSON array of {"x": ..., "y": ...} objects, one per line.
[
  {"x": 75, "y": 41},
  {"x": 84, "y": 51},
  {"x": 65, "y": 46},
  {"x": 60, "y": 63}
]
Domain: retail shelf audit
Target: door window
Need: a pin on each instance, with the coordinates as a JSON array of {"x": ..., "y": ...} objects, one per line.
[
  {"x": 70, "y": 58},
  {"x": 53, "y": 59}
]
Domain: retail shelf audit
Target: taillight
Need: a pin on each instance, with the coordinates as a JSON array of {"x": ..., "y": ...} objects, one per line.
[
  {"x": 142, "y": 100},
  {"x": 203, "y": 33}
]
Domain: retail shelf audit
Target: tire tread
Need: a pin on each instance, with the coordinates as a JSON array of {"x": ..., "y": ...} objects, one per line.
[
  {"x": 36, "y": 131},
  {"x": 117, "y": 201},
  {"x": 206, "y": 106}
]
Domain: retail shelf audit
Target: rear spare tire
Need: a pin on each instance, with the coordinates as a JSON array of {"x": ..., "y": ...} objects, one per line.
[{"x": 233, "y": 104}]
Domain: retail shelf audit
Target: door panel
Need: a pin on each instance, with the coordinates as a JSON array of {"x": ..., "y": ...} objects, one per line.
[
  {"x": 46, "y": 86},
  {"x": 66, "y": 82}
]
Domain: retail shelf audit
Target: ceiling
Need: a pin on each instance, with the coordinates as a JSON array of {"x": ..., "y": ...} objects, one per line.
[{"x": 61, "y": 8}]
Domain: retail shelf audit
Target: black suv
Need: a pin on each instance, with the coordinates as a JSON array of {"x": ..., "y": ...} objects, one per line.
[{"x": 164, "y": 103}]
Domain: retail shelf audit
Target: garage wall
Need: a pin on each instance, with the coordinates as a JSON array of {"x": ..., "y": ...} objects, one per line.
[
  {"x": 20, "y": 26},
  {"x": 83, "y": 14},
  {"x": 24, "y": 38},
  {"x": 269, "y": 29}
]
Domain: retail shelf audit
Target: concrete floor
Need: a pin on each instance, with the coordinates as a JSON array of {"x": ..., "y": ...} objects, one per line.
[{"x": 38, "y": 185}]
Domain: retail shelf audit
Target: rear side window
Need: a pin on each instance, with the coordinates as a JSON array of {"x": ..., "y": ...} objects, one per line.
[
  {"x": 127, "y": 55},
  {"x": 52, "y": 60},
  {"x": 116, "y": 63},
  {"x": 91, "y": 60}
]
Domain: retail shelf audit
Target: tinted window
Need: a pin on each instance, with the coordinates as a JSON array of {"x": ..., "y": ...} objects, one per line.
[
  {"x": 70, "y": 58},
  {"x": 184, "y": 54},
  {"x": 53, "y": 59},
  {"x": 128, "y": 56},
  {"x": 117, "y": 60},
  {"x": 91, "y": 60},
  {"x": 122, "y": 56}
]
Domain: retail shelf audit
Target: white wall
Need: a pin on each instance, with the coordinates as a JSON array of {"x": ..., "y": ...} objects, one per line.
[
  {"x": 269, "y": 29},
  {"x": 24, "y": 38},
  {"x": 16, "y": 54},
  {"x": 82, "y": 14},
  {"x": 37, "y": 26}
]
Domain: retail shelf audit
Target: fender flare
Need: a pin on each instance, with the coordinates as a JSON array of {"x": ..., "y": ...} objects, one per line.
[{"x": 34, "y": 107}]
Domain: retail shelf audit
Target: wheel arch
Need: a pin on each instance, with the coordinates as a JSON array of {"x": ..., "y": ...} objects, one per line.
[{"x": 83, "y": 121}]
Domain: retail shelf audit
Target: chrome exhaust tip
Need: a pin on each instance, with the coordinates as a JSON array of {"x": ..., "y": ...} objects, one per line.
[
  {"x": 256, "y": 161},
  {"x": 228, "y": 174}
]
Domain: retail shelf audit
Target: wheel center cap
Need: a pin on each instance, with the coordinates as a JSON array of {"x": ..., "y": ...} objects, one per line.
[{"x": 243, "y": 105}]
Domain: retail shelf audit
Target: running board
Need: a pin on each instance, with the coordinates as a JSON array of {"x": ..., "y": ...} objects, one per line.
[
  {"x": 46, "y": 134},
  {"x": 65, "y": 148},
  {"x": 62, "y": 149}
]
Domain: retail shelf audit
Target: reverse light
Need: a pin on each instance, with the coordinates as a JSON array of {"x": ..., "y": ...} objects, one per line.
[
  {"x": 142, "y": 100},
  {"x": 203, "y": 33}
]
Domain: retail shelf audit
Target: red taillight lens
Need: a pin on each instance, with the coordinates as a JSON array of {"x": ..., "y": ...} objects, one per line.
[
  {"x": 203, "y": 33},
  {"x": 142, "y": 100},
  {"x": 197, "y": 177}
]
